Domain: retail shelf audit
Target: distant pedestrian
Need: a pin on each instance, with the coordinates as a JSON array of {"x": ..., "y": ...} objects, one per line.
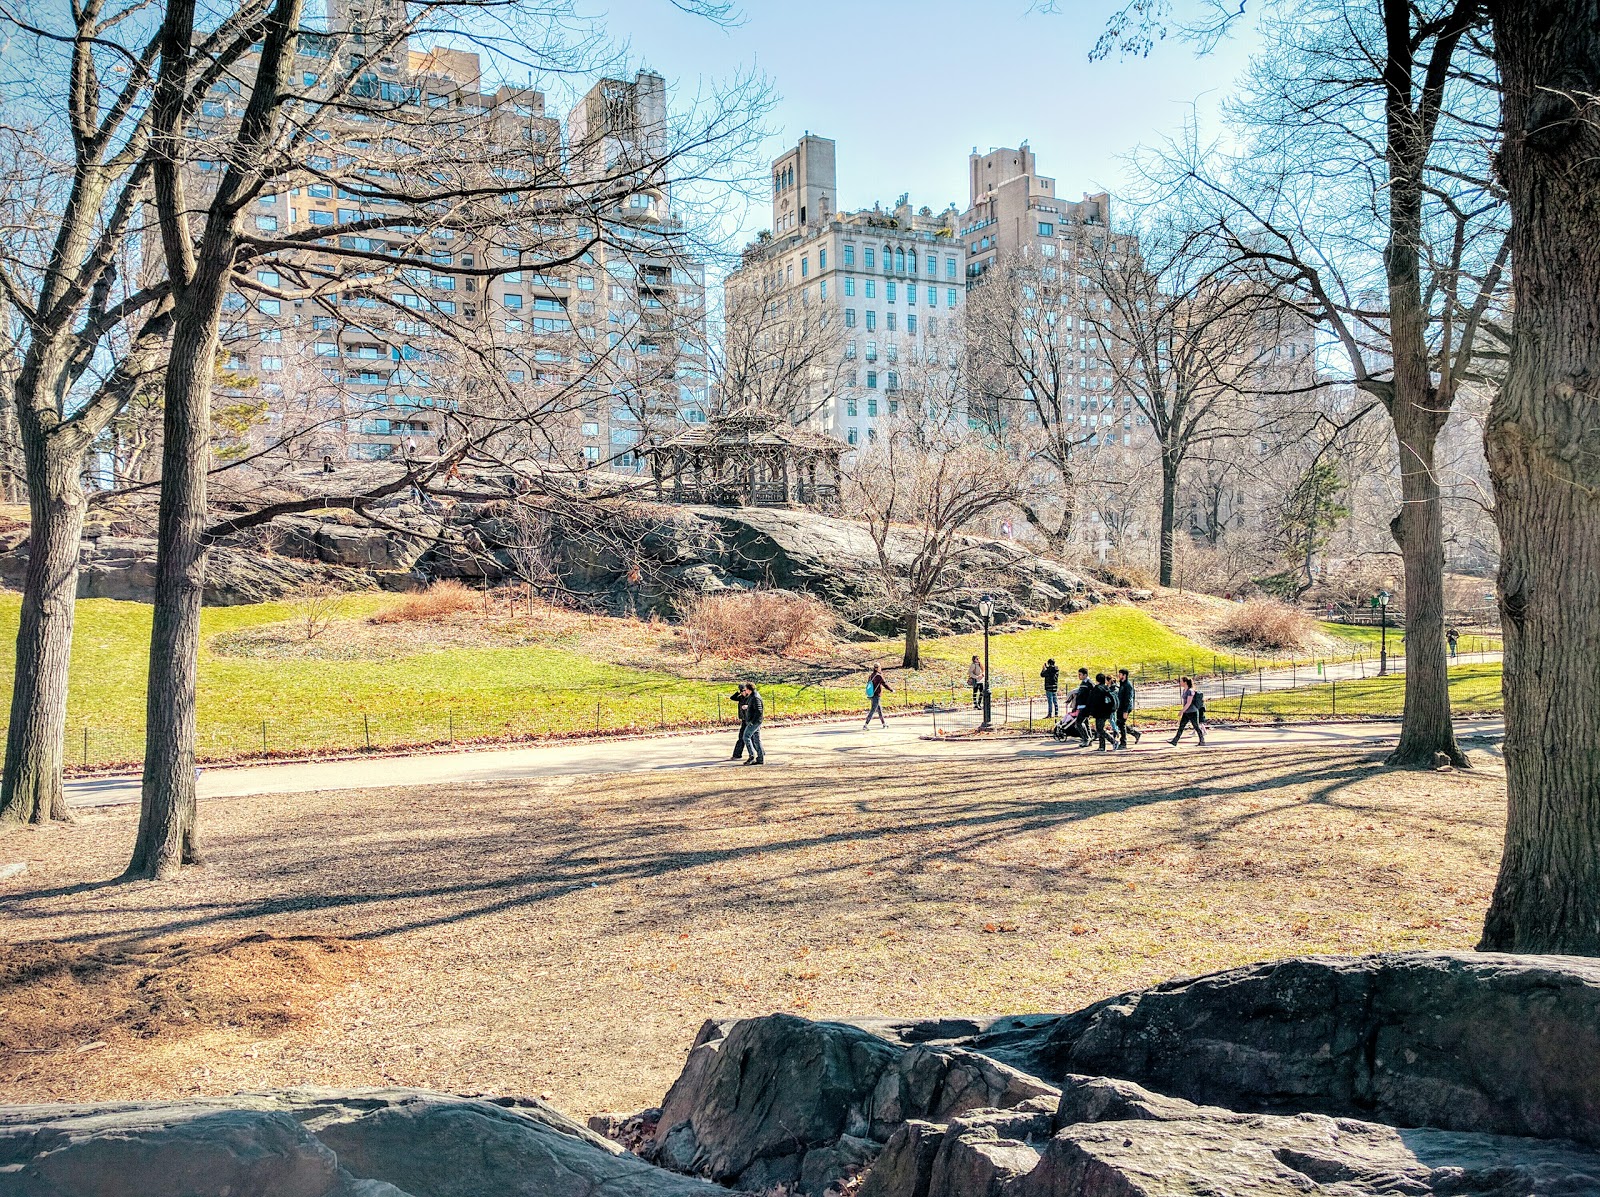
[
  {"x": 876, "y": 685},
  {"x": 1193, "y": 710},
  {"x": 755, "y": 712},
  {"x": 1103, "y": 709},
  {"x": 976, "y": 678},
  {"x": 741, "y": 699},
  {"x": 1125, "y": 698},
  {"x": 1051, "y": 674},
  {"x": 1451, "y": 637}
]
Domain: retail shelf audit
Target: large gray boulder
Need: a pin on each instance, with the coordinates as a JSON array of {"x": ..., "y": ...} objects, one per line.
[
  {"x": 1457, "y": 1040},
  {"x": 781, "y": 1100},
  {"x": 320, "y": 1143},
  {"x": 1114, "y": 1139}
]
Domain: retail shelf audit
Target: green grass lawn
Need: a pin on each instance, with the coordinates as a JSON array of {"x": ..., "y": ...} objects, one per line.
[
  {"x": 1474, "y": 690},
  {"x": 1371, "y": 639},
  {"x": 251, "y": 705}
]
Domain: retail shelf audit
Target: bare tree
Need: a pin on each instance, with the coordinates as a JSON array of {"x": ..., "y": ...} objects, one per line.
[
  {"x": 778, "y": 354},
  {"x": 83, "y": 332},
  {"x": 1189, "y": 338},
  {"x": 299, "y": 93},
  {"x": 1027, "y": 329},
  {"x": 919, "y": 488}
]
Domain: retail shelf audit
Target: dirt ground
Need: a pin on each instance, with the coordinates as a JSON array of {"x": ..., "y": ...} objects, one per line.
[{"x": 566, "y": 937}]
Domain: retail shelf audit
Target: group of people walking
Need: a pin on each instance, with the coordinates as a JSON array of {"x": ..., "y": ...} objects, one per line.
[{"x": 1098, "y": 708}]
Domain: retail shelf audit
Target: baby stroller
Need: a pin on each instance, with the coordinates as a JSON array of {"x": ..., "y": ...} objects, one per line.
[{"x": 1074, "y": 726}]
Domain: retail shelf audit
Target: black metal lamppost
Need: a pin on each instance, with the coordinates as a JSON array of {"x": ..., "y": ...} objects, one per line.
[
  {"x": 1383, "y": 636},
  {"x": 986, "y": 609}
]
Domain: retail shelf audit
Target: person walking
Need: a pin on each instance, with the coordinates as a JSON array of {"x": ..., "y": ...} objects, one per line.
[
  {"x": 1125, "y": 697},
  {"x": 1452, "y": 638},
  {"x": 1052, "y": 680},
  {"x": 976, "y": 679},
  {"x": 1192, "y": 712},
  {"x": 1103, "y": 708},
  {"x": 755, "y": 712},
  {"x": 742, "y": 701},
  {"x": 876, "y": 685},
  {"x": 1079, "y": 708}
]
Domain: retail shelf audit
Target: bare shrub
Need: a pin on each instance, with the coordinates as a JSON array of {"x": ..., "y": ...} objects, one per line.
[
  {"x": 315, "y": 607},
  {"x": 436, "y": 602},
  {"x": 743, "y": 623},
  {"x": 1266, "y": 624}
]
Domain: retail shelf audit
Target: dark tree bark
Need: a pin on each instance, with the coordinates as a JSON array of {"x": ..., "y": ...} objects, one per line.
[
  {"x": 1543, "y": 444},
  {"x": 31, "y": 789},
  {"x": 1170, "y": 466},
  {"x": 912, "y": 659}
]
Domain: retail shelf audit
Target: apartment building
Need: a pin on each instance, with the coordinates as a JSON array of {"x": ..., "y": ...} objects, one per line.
[
  {"x": 884, "y": 288},
  {"x": 326, "y": 358}
]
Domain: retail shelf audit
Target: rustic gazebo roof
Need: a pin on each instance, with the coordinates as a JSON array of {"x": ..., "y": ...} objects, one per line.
[{"x": 748, "y": 456}]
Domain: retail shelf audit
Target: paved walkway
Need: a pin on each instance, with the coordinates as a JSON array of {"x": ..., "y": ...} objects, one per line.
[{"x": 808, "y": 743}]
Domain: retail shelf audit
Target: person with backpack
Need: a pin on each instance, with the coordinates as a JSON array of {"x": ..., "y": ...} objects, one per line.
[
  {"x": 1052, "y": 680},
  {"x": 1193, "y": 711},
  {"x": 1452, "y": 638},
  {"x": 1078, "y": 708},
  {"x": 976, "y": 679},
  {"x": 742, "y": 701},
  {"x": 1103, "y": 708},
  {"x": 755, "y": 712},
  {"x": 876, "y": 685},
  {"x": 1125, "y": 709}
]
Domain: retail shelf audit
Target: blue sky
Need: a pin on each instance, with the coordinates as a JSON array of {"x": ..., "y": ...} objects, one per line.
[{"x": 908, "y": 89}]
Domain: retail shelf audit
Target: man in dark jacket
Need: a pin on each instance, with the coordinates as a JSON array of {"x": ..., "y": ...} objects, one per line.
[
  {"x": 1125, "y": 709},
  {"x": 1052, "y": 681},
  {"x": 755, "y": 712},
  {"x": 1103, "y": 706},
  {"x": 1080, "y": 707},
  {"x": 742, "y": 700}
]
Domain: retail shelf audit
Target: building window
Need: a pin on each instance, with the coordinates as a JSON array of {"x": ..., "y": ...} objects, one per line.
[
  {"x": 911, "y": 296},
  {"x": 512, "y": 302},
  {"x": 850, "y": 407},
  {"x": 805, "y": 266},
  {"x": 900, "y": 261},
  {"x": 849, "y": 255},
  {"x": 315, "y": 216},
  {"x": 271, "y": 365},
  {"x": 872, "y": 383},
  {"x": 849, "y": 286},
  {"x": 866, "y": 258},
  {"x": 1046, "y": 229},
  {"x": 889, "y": 292},
  {"x": 822, "y": 290},
  {"x": 949, "y": 268},
  {"x": 950, "y": 297},
  {"x": 872, "y": 406},
  {"x": 872, "y": 351},
  {"x": 269, "y": 307},
  {"x": 872, "y": 320},
  {"x": 911, "y": 323},
  {"x": 849, "y": 317},
  {"x": 872, "y": 288},
  {"x": 822, "y": 259},
  {"x": 850, "y": 436},
  {"x": 893, "y": 381},
  {"x": 888, "y": 321},
  {"x": 268, "y": 223},
  {"x": 849, "y": 351}
]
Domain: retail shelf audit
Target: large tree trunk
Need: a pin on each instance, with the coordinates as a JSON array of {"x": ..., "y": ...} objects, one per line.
[
  {"x": 1544, "y": 454},
  {"x": 31, "y": 791},
  {"x": 913, "y": 654},
  {"x": 1426, "y": 729},
  {"x": 166, "y": 838},
  {"x": 1169, "y": 516}
]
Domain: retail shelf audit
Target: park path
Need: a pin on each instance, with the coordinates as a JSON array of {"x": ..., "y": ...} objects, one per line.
[{"x": 905, "y": 736}]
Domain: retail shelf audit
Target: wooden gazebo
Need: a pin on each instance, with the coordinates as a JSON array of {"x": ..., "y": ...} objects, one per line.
[{"x": 750, "y": 458}]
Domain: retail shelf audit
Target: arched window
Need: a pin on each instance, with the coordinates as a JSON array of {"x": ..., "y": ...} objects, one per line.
[{"x": 900, "y": 261}]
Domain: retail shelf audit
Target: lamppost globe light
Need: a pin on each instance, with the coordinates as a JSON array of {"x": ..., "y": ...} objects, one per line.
[{"x": 986, "y": 606}]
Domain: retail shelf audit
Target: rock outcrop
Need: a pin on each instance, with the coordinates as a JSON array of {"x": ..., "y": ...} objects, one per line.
[
  {"x": 319, "y": 1143},
  {"x": 651, "y": 558},
  {"x": 1415, "y": 1073}
]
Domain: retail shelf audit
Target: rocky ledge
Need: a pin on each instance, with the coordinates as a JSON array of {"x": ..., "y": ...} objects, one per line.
[{"x": 1411, "y": 1073}]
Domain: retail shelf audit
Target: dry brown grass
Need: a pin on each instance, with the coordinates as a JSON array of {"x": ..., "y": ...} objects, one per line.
[
  {"x": 744, "y": 623},
  {"x": 439, "y": 600},
  {"x": 568, "y": 935},
  {"x": 1266, "y": 625}
]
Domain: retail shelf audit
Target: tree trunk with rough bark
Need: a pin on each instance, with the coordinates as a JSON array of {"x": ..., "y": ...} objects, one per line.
[
  {"x": 1169, "y": 516},
  {"x": 912, "y": 658},
  {"x": 1543, "y": 442},
  {"x": 166, "y": 839},
  {"x": 1426, "y": 727},
  {"x": 31, "y": 789}
]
